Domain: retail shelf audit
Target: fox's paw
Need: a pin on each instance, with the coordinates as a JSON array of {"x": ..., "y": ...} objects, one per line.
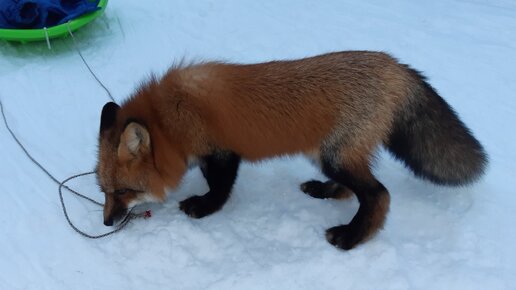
[
  {"x": 342, "y": 237},
  {"x": 198, "y": 206},
  {"x": 328, "y": 189},
  {"x": 314, "y": 188}
]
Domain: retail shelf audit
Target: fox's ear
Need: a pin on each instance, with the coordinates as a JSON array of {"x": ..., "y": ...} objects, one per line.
[
  {"x": 134, "y": 141},
  {"x": 108, "y": 116}
]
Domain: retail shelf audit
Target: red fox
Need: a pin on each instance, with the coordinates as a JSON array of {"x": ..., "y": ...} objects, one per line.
[{"x": 335, "y": 108}]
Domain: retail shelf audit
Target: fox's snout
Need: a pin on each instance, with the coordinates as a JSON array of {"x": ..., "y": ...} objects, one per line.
[
  {"x": 108, "y": 221},
  {"x": 111, "y": 217},
  {"x": 114, "y": 210}
]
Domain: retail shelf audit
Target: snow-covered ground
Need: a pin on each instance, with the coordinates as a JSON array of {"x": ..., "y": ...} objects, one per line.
[{"x": 269, "y": 235}]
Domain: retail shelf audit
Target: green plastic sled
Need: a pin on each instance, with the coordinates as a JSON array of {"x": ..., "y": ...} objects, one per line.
[{"x": 27, "y": 35}]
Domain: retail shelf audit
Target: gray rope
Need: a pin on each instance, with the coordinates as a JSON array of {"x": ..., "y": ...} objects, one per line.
[
  {"x": 36, "y": 162},
  {"x": 129, "y": 216},
  {"x": 76, "y": 46}
]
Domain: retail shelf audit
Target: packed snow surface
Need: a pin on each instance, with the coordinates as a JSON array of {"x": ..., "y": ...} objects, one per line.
[{"x": 269, "y": 235}]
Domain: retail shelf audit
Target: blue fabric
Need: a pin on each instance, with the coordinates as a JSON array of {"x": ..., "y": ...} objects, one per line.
[{"x": 29, "y": 14}]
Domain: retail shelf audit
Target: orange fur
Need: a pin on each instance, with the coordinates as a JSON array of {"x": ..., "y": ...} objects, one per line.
[
  {"x": 256, "y": 111},
  {"x": 274, "y": 108}
]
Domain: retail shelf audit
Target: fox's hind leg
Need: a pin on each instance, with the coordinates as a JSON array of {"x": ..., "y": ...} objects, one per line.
[
  {"x": 328, "y": 189},
  {"x": 351, "y": 169},
  {"x": 220, "y": 170}
]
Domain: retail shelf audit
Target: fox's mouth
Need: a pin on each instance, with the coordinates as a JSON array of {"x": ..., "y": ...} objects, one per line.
[{"x": 115, "y": 216}]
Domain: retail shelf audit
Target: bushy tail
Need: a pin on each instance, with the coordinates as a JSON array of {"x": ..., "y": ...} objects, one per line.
[{"x": 431, "y": 140}]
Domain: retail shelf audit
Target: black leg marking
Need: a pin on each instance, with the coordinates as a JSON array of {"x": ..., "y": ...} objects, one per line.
[
  {"x": 328, "y": 189},
  {"x": 374, "y": 204},
  {"x": 220, "y": 170}
]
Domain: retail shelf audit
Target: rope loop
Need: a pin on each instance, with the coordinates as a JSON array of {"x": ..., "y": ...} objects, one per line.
[{"x": 129, "y": 216}]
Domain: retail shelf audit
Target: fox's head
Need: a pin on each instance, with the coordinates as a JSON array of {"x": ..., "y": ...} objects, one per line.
[{"x": 127, "y": 171}]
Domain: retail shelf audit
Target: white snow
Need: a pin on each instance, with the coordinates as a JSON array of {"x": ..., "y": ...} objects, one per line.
[{"x": 269, "y": 235}]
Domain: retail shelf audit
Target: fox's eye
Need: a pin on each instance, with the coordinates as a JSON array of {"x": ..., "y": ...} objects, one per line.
[{"x": 121, "y": 191}]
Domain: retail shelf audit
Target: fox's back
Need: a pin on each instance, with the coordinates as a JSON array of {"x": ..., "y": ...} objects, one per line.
[{"x": 286, "y": 107}]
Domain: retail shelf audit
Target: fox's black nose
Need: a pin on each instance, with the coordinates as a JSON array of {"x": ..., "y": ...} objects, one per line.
[{"x": 108, "y": 222}]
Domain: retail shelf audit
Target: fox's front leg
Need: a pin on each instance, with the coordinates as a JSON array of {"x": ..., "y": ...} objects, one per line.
[{"x": 220, "y": 170}]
